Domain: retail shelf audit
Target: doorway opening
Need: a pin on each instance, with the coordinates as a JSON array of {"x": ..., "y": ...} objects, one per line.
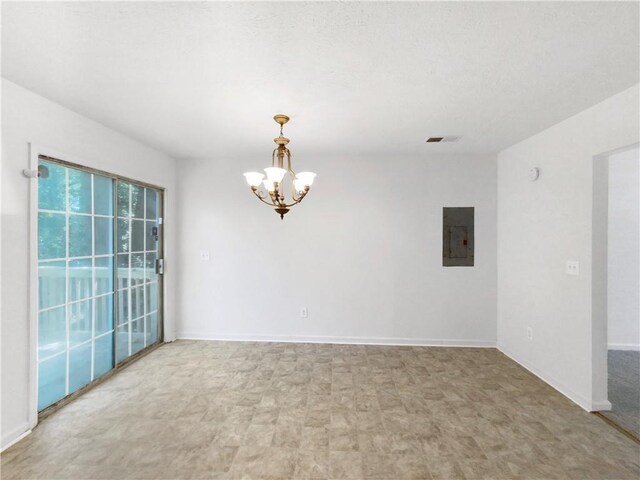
[
  {"x": 623, "y": 289},
  {"x": 621, "y": 279}
]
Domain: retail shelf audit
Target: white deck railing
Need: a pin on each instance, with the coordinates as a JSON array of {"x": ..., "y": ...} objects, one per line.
[{"x": 51, "y": 292}]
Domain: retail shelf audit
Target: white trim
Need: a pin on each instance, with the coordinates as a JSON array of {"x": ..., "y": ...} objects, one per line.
[
  {"x": 600, "y": 405},
  {"x": 34, "y": 153},
  {"x": 624, "y": 346},
  {"x": 15, "y": 436},
  {"x": 575, "y": 397},
  {"x": 419, "y": 342}
]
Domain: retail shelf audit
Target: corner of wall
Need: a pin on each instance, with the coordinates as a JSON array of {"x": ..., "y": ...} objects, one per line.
[
  {"x": 14, "y": 436},
  {"x": 543, "y": 224},
  {"x": 584, "y": 402}
]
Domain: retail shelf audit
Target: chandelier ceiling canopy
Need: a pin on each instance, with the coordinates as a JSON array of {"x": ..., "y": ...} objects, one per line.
[{"x": 271, "y": 190}]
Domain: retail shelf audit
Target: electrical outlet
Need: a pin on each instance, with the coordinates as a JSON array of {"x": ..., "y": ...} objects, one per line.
[
  {"x": 204, "y": 255},
  {"x": 572, "y": 268},
  {"x": 530, "y": 333},
  {"x": 303, "y": 312}
]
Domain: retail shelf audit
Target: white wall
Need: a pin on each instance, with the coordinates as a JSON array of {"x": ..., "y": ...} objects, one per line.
[
  {"x": 623, "y": 303},
  {"x": 363, "y": 253},
  {"x": 27, "y": 117},
  {"x": 543, "y": 224}
]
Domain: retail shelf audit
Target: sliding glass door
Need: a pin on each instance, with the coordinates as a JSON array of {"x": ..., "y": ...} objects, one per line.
[
  {"x": 138, "y": 254},
  {"x": 80, "y": 223}
]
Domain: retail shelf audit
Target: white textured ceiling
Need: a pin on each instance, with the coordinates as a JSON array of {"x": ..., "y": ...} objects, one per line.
[{"x": 204, "y": 79}]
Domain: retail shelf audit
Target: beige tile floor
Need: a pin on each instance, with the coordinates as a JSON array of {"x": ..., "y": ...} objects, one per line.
[{"x": 267, "y": 411}]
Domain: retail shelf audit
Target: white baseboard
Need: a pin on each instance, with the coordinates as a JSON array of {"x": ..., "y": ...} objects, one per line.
[
  {"x": 624, "y": 346},
  {"x": 418, "y": 342},
  {"x": 14, "y": 436},
  {"x": 575, "y": 397},
  {"x": 599, "y": 406}
]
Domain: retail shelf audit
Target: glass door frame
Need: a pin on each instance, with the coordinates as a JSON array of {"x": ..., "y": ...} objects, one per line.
[{"x": 37, "y": 154}]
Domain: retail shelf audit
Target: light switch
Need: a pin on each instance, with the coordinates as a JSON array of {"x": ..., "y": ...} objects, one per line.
[
  {"x": 572, "y": 268},
  {"x": 204, "y": 255}
]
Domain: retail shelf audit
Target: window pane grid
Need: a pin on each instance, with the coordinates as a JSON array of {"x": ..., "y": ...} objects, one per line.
[
  {"x": 76, "y": 301},
  {"x": 85, "y": 343},
  {"x": 81, "y": 279},
  {"x": 138, "y": 318},
  {"x": 97, "y": 249},
  {"x": 80, "y": 214},
  {"x": 137, "y": 280},
  {"x": 93, "y": 277},
  {"x": 130, "y": 235},
  {"x": 66, "y": 318},
  {"x": 62, "y": 259}
]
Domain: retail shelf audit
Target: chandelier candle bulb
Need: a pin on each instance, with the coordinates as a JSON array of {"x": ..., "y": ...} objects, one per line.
[{"x": 275, "y": 191}]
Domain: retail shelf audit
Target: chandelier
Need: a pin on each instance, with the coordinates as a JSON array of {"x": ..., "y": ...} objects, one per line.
[{"x": 274, "y": 185}]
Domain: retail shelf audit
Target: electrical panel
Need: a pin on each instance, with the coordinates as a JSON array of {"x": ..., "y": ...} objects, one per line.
[{"x": 457, "y": 236}]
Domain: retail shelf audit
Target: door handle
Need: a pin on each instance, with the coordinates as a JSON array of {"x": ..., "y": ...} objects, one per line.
[{"x": 160, "y": 266}]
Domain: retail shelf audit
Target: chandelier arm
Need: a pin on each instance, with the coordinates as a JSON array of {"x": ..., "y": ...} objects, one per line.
[
  {"x": 297, "y": 200},
  {"x": 261, "y": 197},
  {"x": 295, "y": 197},
  {"x": 289, "y": 161},
  {"x": 303, "y": 194}
]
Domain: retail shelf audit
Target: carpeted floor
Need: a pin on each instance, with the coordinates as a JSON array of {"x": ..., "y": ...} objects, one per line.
[{"x": 624, "y": 390}]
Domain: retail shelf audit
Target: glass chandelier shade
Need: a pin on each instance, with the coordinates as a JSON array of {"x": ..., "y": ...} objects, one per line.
[
  {"x": 269, "y": 185},
  {"x": 306, "y": 178},
  {"x": 274, "y": 185},
  {"x": 275, "y": 174},
  {"x": 254, "y": 179}
]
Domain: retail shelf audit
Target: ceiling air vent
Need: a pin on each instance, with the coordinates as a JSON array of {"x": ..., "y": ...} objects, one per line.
[{"x": 442, "y": 139}]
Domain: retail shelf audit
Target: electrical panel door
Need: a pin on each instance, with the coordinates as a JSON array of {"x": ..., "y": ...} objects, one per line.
[{"x": 457, "y": 236}]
